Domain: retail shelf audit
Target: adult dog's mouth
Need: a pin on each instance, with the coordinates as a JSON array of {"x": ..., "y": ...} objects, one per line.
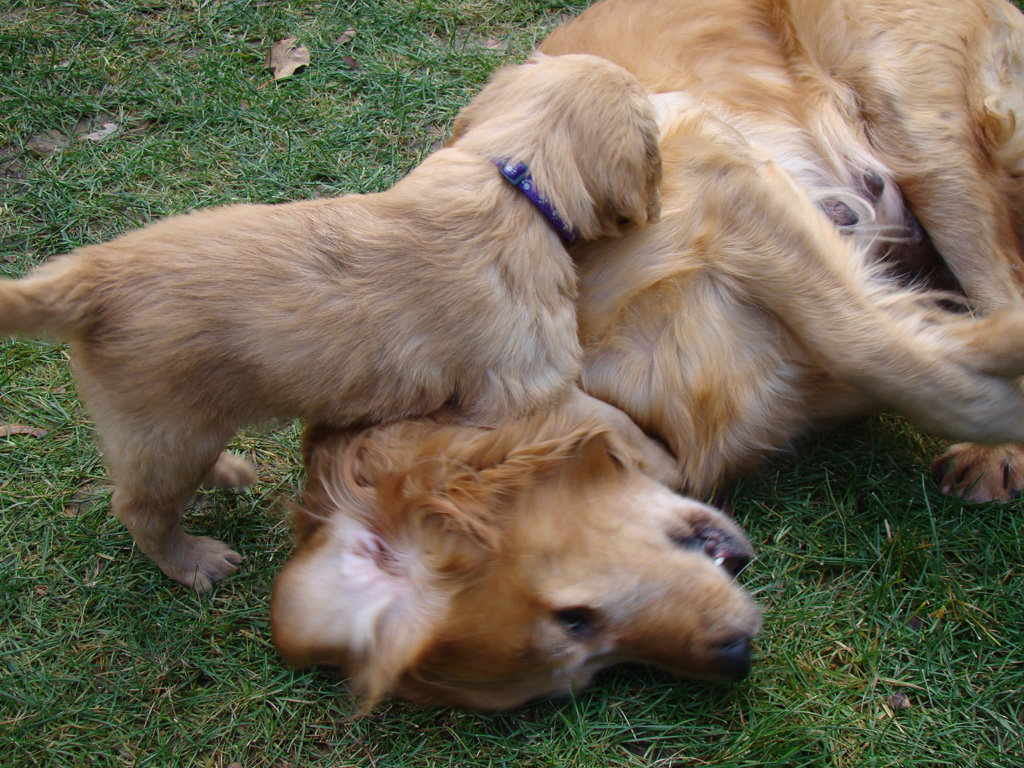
[{"x": 725, "y": 551}]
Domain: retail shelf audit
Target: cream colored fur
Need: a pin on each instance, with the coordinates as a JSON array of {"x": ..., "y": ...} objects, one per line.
[
  {"x": 796, "y": 137},
  {"x": 450, "y": 287},
  {"x": 485, "y": 568}
]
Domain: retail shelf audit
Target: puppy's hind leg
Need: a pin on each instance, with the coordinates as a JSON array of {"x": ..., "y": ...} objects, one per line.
[
  {"x": 154, "y": 481},
  {"x": 230, "y": 471}
]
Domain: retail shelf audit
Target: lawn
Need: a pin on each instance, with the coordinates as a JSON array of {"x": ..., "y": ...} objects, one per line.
[{"x": 894, "y": 618}]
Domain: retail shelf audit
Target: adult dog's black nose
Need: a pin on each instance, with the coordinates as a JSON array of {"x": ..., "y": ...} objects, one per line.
[{"x": 733, "y": 658}]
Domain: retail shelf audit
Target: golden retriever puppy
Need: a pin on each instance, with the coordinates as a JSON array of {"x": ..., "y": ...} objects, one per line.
[
  {"x": 451, "y": 287},
  {"x": 814, "y": 151},
  {"x": 484, "y": 568}
]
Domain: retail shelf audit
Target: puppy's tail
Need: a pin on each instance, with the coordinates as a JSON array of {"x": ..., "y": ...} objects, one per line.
[{"x": 50, "y": 301}]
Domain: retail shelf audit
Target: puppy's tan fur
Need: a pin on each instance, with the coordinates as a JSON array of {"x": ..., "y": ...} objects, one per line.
[
  {"x": 797, "y": 136},
  {"x": 458, "y": 565},
  {"x": 449, "y": 287}
]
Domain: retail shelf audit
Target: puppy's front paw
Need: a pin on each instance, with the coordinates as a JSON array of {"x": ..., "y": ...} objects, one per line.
[
  {"x": 230, "y": 472},
  {"x": 981, "y": 472},
  {"x": 199, "y": 562}
]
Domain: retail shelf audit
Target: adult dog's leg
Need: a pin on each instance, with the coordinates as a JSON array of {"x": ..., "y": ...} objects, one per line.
[
  {"x": 981, "y": 472},
  {"x": 743, "y": 228},
  {"x": 947, "y": 118}
]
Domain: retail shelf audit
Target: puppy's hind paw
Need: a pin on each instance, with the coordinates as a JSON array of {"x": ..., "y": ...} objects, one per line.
[
  {"x": 981, "y": 473},
  {"x": 230, "y": 471},
  {"x": 200, "y": 562}
]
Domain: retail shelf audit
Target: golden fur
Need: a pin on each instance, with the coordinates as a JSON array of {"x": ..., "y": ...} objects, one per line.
[
  {"x": 800, "y": 138},
  {"x": 485, "y": 568},
  {"x": 448, "y": 288}
]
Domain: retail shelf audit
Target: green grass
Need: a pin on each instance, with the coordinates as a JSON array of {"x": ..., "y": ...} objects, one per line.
[{"x": 873, "y": 583}]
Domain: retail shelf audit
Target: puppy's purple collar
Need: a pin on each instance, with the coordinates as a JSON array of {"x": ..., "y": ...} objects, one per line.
[{"x": 518, "y": 175}]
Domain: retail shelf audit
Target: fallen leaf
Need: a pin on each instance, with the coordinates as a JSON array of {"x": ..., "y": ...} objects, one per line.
[
  {"x": 352, "y": 63},
  {"x": 285, "y": 57},
  {"x": 346, "y": 37},
  {"x": 494, "y": 45},
  {"x": 20, "y": 429},
  {"x": 899, "y": 701},
  {"x": 47, "y": 142},
  {"x": 87, "y": 124},
  {"x": 11, "y": 172},
  {"x": 85, "y": 495},
  {"x": 106, "y": 131}
]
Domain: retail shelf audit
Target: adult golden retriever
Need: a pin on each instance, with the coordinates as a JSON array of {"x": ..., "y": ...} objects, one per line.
[
  {"x": 787, "y": 284},
  {"x": 484, "y": 568},
  {"x": 784, "y": 287},
  {"x": 451, "y": 287}
]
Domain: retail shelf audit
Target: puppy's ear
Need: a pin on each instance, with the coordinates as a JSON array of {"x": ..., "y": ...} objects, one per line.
[{"x": 633, "y": 168}]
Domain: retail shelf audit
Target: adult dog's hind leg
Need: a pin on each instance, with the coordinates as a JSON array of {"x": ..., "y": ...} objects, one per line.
[
  {"x": 942, "y": 116},
  {"x": 981, "y": 473},
  {"x": 948, "y": 119},
  {"x": 767, "y": 240}
]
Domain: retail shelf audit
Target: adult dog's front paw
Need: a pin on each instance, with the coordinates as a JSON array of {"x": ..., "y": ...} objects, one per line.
[{"x": 981, "y": 472}]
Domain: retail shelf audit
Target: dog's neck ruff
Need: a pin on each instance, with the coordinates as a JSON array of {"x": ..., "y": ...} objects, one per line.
[{"x": 518, "y": 175}]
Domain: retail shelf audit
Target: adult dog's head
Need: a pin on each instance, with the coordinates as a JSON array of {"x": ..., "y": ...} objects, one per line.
[
  {"x": 479, "y": 568},
  {"x": 586, "y": 129}
]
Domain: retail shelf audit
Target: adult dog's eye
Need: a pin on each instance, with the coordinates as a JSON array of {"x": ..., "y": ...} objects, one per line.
[{"x": 577, "y": 621}]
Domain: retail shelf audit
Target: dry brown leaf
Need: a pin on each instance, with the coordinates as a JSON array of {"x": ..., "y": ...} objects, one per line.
[
  {"x": 85, "y": 495},
  {"x": 21, "y": 429},
  {"x": 352, "y": 63},
  {"x": 285, "y": 57},
  {"x": 11, "y": 172},
  {"x": 494, "y": 45},
  {"x": 140, "y": 128},
  {"x": 47, "y": 142},
  {"x": 346, "y": 37},
  {"x": 105, "y": 131},
  {"x": 899, "y": 701}
]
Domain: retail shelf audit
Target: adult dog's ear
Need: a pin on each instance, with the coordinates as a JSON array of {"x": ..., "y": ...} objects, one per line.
[
  {"x": 601, "y": 453},
  {"x": 385, "y": 533}
]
